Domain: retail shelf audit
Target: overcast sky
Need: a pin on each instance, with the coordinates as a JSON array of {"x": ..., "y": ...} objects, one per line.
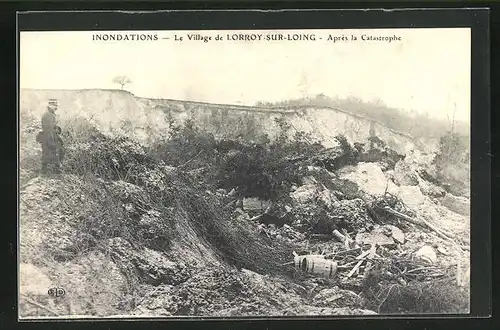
[{"x": 427, "y": 71}]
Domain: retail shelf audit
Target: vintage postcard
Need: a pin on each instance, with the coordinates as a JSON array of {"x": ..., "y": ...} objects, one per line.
[{"x": 244, "y": 173}]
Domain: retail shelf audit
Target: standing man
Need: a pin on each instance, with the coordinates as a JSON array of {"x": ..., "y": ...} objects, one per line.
[{"x": 49, "y": 139}]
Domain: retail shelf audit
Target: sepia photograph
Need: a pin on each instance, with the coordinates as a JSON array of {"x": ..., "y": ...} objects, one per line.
[{"x": 244, "y": 173}]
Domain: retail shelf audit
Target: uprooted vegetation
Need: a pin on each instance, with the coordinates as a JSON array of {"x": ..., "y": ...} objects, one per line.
[{"x": 195, "y": 225}]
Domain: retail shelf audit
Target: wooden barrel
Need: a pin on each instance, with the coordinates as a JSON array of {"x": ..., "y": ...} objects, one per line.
[{"x": 316, "y": 264}]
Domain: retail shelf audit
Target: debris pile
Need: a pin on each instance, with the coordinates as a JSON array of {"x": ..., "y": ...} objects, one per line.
[{"x": 356, "y": 231}]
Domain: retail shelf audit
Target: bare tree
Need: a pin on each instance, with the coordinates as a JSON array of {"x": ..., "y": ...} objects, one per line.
[
  {"x": 452, "y": 119},
  {"x": 122, "y": 81},
  {"x": 304, "y": 85}
]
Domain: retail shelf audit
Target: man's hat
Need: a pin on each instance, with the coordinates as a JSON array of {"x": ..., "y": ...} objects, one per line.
[{"x": 52, "y": 103}]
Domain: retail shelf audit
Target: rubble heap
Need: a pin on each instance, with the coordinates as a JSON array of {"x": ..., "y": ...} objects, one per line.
[{"x": 359, "y": 231}]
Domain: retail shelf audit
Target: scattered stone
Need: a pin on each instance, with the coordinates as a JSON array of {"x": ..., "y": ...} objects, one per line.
[
  {"x": 379, "y": 236},
  {"x": 427, "y": 253},
  {"x": 94, "y": 285},
  {"x": 397, "y": 234},
  {"x": 224, "y": 292}
]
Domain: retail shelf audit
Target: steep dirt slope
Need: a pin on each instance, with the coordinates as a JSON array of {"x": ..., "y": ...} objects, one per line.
[
  {"x": 112, "y": 111},
  {"x": 149, "y": 116},
  {"x": 323, "y": 123}
]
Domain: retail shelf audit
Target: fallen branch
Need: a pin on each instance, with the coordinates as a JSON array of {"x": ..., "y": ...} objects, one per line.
[{"x": 419, "y": 222}]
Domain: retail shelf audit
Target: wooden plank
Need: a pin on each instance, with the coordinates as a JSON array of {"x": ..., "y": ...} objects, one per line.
[
  {"x": 364, "y": 254},
  {"x": 355, "y": 268}
]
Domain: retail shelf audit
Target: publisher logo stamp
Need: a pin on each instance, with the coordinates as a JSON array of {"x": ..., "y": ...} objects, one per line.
[{"x": 56, "y": 292}]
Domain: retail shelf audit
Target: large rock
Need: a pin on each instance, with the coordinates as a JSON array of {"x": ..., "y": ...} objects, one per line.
[
  {"x": 460, "y": 205},
  {"x": 411, "y": 196},
  {"x": 312, "y": 193},
  {"x": 369, "y": 178}
]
